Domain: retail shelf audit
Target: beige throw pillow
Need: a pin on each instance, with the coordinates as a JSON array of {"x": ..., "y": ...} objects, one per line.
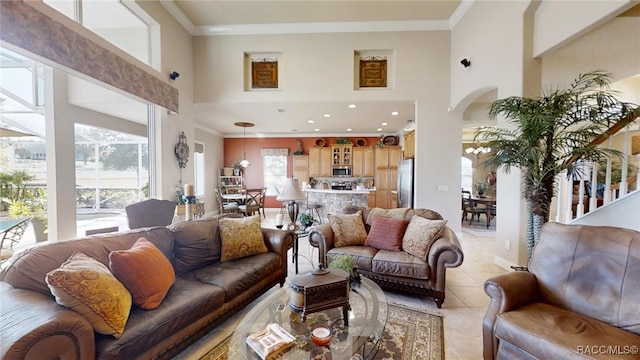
[
  {"x": 241, "y": 237},
  {"x": 85, "y": 285},
  {"x": 421, "y": 233},
  {"x": 348, "y": 230}
]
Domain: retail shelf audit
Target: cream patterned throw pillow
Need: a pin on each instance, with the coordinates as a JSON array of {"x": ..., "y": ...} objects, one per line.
[
  {"x": 241, "y": 237},
  {"x": 85, "y": 285},
  {"x": 348, "y": 230},
  {"x": 421, "y": 233}
]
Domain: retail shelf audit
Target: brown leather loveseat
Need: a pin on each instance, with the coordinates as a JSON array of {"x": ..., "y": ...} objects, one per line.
[
  {"x": 579, "y": 299},
  {"x": 206, "y": 291},
  {"x": 397, "y": 270}
]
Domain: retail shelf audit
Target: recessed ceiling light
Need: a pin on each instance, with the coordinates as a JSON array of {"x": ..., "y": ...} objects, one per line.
[
  {"x": 384, "y": 124},
  {"x": 352, "y": 106},
  {"x": 379, "y": 129},
  {"x": 279, "y": 110},
  {"x": 349, "y": 129},
  {"x": 327, "y": 115},
  {"x": 310, "y": 121},
  {"x": 316, "y": 129},
  {"x": 394, "y": 113}
]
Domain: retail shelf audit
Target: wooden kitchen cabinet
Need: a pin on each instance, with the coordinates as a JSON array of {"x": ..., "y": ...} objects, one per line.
[
  {"x": 301, "y": 168},
  {"x": 386, "y": 161},
  {"x": 372, "y": 199},
  {"x": 410, "y": 144},
  {"x": 341, "y": 155},
  {"x": 363, "y": 162},
  {"x": 319, "y": 161}
]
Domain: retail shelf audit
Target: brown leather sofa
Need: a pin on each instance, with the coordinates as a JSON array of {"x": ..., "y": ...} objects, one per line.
[
  {"x": 34, "y": 326},
  {"x": 579, "y": 299},
  {"x": 397, "y": 270}
]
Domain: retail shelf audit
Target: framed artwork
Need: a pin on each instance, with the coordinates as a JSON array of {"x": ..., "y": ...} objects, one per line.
[
  {"x": 264, "y": 74},
  {"x": 373, "y": 72}
]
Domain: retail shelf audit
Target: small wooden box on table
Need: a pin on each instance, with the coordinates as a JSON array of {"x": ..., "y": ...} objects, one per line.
[{"x": 319, "y": 290}]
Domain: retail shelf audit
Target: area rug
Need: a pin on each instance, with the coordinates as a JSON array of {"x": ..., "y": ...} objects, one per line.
[
  {"x": 409, "y": 334},
  {"x": 479, "y": 228}
]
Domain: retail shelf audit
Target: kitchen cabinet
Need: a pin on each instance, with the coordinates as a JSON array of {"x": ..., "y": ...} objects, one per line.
[
  {"x": 372, "y": 199},
  {"x": 363, "y": 162},
  {"x": 301, "y": 168},
  {"x": 319, "y": 161},
  {"x": 341, "y": 155},
  {"x": 410, "y": 144},
  {"x": 394, "y": 200},
  {"x": 386, "y": 161}
]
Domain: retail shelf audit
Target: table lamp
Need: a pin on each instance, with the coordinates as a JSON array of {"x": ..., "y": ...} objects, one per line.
[{"x": 291, "y": 193}]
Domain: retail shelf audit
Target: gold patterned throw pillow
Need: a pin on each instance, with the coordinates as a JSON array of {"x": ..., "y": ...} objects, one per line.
[
  {"x": 348, "y": 230},
  {"x": 421, "y": 233},
  {"x": 85, "y": 285},
  {"x": 241, "y": 237}
]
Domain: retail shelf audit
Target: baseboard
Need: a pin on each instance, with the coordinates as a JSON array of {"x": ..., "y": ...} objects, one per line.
[{"x": 503, "y": 263}]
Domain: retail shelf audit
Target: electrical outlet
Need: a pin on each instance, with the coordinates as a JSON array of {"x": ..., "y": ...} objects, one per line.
[
  {"x": 507, "y": 244},
  {"x": 443, "y": 187}
]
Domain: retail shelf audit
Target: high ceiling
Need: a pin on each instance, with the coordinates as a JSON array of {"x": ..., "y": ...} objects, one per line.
[{"x": 263, "y": 17}]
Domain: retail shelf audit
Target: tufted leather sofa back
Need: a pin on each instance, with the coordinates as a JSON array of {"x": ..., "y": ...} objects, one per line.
[{"x": 591, "y": 270}]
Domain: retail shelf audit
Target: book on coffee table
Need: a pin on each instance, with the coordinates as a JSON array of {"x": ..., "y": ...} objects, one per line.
[{"x": 271, "y": 341}]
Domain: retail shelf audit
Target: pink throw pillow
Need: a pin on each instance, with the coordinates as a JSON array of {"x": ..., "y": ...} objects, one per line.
[{"x": 386, "y": 233}]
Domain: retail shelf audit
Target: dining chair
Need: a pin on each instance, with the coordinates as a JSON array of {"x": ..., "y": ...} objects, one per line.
[
  {"x": 150, "y": 212},
  {"x": 10, "y": 237},
  {"x": 492, "y": 212},
  {"x": 471, "y": 207},
  {"x": 254, "y": 199},
  {"x": 225, "y": 206}
]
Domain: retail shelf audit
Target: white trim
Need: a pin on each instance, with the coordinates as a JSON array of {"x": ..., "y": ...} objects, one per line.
[
  {"x": 503, "y": 263},
  {"x": 461, "y": 10},
  {"x": 324, "y": 27},
  {"x": 173, "y": 9}
]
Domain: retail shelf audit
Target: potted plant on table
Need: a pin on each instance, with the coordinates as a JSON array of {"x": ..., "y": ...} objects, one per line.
[
  {"x": 359, "y": 183},
  {"x": 306, "y": 220},
  {"x": 551, "y": 134},
  {"x": 345, "y": 262}
]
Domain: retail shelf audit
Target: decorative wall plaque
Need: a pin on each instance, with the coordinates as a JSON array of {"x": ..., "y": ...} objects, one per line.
[
  {"x": 373, "y": 72},
  {"x": 264, "y": 73}
]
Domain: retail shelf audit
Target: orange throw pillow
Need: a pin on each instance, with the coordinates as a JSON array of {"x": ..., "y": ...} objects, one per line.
[
  {"x": 144, "y": 271},
  {"x": 386, "y": 233}
]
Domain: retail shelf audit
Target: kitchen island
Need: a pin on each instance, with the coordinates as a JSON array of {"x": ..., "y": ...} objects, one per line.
[{"x": 333, "y": 201}]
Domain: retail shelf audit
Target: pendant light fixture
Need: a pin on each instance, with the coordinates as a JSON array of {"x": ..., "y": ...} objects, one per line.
[{"x": 244, "y": 125}]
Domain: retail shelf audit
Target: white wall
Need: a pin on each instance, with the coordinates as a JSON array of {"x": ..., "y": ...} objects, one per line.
[
  {"x": 559, "y": 22},
  {"x": 319, "y": 67},
  {"x": 491, "y": 36}
]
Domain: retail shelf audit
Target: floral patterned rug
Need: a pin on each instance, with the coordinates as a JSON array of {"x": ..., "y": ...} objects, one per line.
[{"x": 409, "y": 334}]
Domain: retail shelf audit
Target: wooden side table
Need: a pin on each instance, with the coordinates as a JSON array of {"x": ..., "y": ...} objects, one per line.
[{"x": 319, "y": 290}]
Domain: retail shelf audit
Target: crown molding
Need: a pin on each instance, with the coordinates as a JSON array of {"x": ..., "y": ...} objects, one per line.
[{"x": 314, "y": 28}]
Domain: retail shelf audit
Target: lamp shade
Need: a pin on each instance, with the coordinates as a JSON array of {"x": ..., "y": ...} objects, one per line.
[{"x": 291, "y": 191}]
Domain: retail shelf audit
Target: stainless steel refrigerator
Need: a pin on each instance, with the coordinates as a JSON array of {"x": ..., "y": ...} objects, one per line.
[{"x": 405, "y": 184}]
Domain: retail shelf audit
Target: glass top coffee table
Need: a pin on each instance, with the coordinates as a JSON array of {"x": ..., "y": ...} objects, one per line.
[{"x": 367, "y": 319}]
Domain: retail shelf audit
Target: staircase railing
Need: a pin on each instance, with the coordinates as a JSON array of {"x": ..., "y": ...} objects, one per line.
[{"x": 583, "y": 194}]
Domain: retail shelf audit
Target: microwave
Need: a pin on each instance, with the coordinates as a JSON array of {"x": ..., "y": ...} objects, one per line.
[{"x": 344, "y": 171}]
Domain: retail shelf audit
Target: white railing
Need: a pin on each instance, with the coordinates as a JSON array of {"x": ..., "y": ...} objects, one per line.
[{"x": 574, "y": 201}]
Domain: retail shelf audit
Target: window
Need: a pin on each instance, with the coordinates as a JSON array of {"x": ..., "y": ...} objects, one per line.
[
  {"x": 114, "y": 20},
  {"x": 275, "y": 169},
  {"x": 467, "y": 174},
  {"x": 198, "y": 168}
]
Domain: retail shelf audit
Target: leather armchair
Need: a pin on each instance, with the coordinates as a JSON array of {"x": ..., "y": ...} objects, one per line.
[{"x": 580, "y": 293}]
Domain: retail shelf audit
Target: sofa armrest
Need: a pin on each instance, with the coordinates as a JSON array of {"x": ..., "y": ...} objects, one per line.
[
  {"x": 280, "y": 242},
  {"x": 507, "y": 292},
  {"x": 34, "y": 326},
  {"x": 322, "y": 237},
  {"x": 446, "y": 252}
]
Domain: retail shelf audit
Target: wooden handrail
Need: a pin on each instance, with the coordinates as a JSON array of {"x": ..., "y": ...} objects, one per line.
[
  {"x": 631, "y": 117},
  {"x": 630, "y": 180}
]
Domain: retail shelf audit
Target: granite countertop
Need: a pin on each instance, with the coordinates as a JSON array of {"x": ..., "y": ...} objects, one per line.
[{"x": 331, "y": 191}]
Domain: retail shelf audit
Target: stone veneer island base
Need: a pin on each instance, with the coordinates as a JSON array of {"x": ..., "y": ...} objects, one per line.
[{"x": 333, "y": 201}]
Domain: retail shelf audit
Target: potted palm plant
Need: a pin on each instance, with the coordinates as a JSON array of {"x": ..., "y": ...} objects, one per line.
[
  {"x": 549, "y": 134},
  {"x": 23, "y": 202}
]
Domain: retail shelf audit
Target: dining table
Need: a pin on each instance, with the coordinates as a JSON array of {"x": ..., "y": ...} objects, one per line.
[
  {"x": 489, "y": 202},
  {"x": 238, "y": 198}
]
